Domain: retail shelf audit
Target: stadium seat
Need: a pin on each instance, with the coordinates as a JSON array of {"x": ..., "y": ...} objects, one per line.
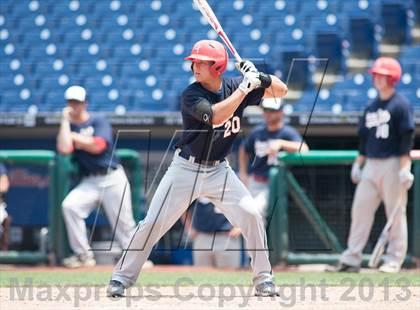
[
  {"x": 416, "y": 9},
  {"x": 354, "y": 81},
  {"x": 80, "y": 51},
  {"x": 15, "y": 98},
  {"x": 86, "y": 69},
  {"x": 360, "y": 8},
  {"x": 362, "y": 38},
  {"x": 50, "y": 83},
  {"x": 295, "y": 68},
  {"x": 123, "y": 53},
  {"x": 45, "y": 68},
  {"x": 268, "y": 9},
  {"x": 410, "y": 53},
  {"x": 55, "y": 97},
  {"x": 92, "y": 84},
  {"x": 394, "y": 20},
  {"x": 61, "y": 9},
  {"x": 328, "y": 46},
  {"x": 306, "y": 103},
  {"x": 99, "y": 98},
  {"x": 357, "y": 98},
  {"x": 49, "y": 44},
  {"x": 7, "y": 83}
]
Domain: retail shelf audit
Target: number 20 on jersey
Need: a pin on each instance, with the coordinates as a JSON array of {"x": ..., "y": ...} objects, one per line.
[{"x": 233, "y": 125}]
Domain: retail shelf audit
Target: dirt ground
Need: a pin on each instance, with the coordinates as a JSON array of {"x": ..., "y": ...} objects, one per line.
[{"x": 333, "y": 298}]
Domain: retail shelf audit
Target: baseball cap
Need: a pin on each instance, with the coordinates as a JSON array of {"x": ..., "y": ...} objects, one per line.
[
  {"x": 75, "y": 93},
  {"x": 273, "y": 104}
]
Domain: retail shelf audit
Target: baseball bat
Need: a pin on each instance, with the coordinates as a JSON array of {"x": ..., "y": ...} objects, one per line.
[
  {"x": 382, "y": 241},
  {"x": 209, "y": 15}
]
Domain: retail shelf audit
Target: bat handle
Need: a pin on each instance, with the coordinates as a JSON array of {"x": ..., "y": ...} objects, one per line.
[{"x": 238, "y": 58}]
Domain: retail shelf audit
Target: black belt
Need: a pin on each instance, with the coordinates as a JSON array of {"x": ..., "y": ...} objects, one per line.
[{"x": 195, "y": 160}]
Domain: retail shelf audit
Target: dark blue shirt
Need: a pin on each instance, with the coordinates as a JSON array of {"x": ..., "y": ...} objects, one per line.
[
  {"x": 382, "y": 125},
  {"x": 3, "y": 170},
  {"x": 95, "y": 126},
  {"x": 202, "y": 140},
  {"x": 206, "y": 218},
  {"x": 257, "y": 145}
]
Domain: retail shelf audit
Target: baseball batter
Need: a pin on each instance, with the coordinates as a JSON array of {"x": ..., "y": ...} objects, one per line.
[
  {"x": 259, "y": 151},
  {"x": 386, "y": 133},
  {"x": 89, "y": 139},
  {"x": 212, "y": 108}
]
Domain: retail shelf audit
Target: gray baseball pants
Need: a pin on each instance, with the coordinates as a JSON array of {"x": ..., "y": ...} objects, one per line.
[
  {"x": 93, "y": 191},
  {"x": 380, "y": 182},
  {"x": 183, "y": 182}
]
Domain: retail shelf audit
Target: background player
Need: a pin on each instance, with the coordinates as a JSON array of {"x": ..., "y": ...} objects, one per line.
[
  {"x": 386, "y": 133},
  {"x": 5, "y": 218},
  {"x": 259, "y": 150},
  {"x": 216, "y": 243},
  {"x": 212, "y": 108},
  {"x": 89, "y": 139}
]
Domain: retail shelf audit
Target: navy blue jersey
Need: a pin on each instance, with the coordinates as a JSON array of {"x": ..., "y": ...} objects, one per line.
[
  {"x": 206, "y": 218},
  {"x": 204, "y": 141},
  {"x": 90, "y": 163},
  {"x": 3, "y": 170},
  {"x": 382, "y": 125},
  {"x": 257, "y": 145}
]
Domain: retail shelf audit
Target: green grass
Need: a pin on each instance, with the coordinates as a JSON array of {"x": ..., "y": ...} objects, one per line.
[{"x": 170, "y": 278}]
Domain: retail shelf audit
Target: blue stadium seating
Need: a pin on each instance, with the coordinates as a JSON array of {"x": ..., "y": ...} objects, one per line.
[
  {"x": 295, "y": 65},
  {"x": 328, "y": 46},
  {"x": 394, "y": 19},
  {"x": 362, "y": 38},
  {"x": 306, "y": 103},
  {"x": 47, "y": 45},
  {"x": 416, "y": 10}
]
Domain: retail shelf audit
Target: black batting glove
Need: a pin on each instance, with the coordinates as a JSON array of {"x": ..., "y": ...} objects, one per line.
[{"x": 265, "y": 79}]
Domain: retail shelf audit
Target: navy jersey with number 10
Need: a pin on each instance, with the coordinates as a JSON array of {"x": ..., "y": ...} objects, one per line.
[{"x": 383, "y": 123}]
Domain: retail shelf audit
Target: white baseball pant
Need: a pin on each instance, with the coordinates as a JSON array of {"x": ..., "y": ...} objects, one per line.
[
  {"x": 260, "y": 192},
  {"x": 217, "y": 250},
  {"x": 183, "y": 182},
  {"x": 93, "y": 191},
  {"x": 380, "y": 182}
]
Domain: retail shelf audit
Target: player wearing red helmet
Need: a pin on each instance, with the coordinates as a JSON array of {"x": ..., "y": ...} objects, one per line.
[
  {"x": 388, "y": 67},
  {"x": 386, "y": 133},
  {"x": 212, "y": 109},
  {"x": 209, "y": 50}
]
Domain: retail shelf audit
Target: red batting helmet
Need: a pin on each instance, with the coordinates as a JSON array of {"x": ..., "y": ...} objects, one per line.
[
  {"x": 387, "y": 66},
  {"x": 210, "y": 50}
]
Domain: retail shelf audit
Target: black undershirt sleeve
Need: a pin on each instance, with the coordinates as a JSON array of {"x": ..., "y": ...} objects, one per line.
[
  {"x": 202, "y": 111},
  {"x": 406, "y": 142},
  {"x": 362, "y": 146}
]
